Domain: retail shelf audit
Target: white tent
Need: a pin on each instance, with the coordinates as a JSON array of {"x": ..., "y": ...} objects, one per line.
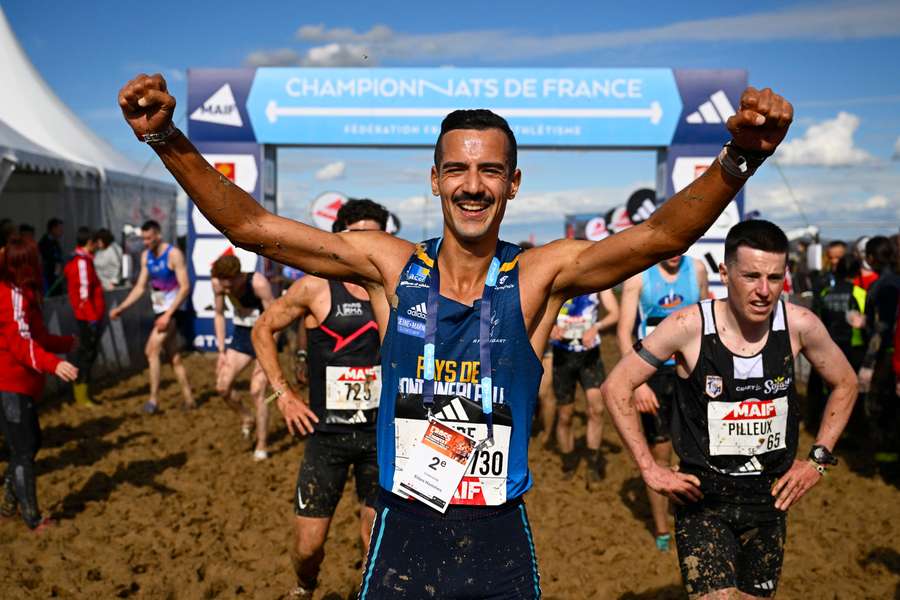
[{"x": 53, "y": 165}]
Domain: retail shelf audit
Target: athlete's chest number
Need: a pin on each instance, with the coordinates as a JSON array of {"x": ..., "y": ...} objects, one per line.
[
  {"x": 487, "y": 462},
  {"x": 359, "y": 391}
]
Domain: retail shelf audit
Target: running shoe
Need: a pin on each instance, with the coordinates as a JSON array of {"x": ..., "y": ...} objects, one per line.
[
  {"x": 150, "y": 408},
  {"x": 43, "y": 525},
  {"x": 663, "y": 541},
  {"x": 247, "y": 428},
  {"x": 260, "y": 455},
  {"x": 300, "y": 593}
]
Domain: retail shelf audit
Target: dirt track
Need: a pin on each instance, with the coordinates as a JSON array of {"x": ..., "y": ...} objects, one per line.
[{"x": 172, "y": 506}]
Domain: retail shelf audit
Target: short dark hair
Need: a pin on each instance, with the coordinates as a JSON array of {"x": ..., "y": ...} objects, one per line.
[
  {"x": 151, "y": 224},
  {"x": 26, "y": 228},
  {"x": 53, "y": 223},
  {"x": 355, "y": 210},
  {"x": 479, "y": 119},
  {"x": 882, "y": 250},
  {"x": 103, "y": 235},
  {"x": 82, "y": 236},
  {"x": 847, "y": 267},
  {"x": 757, "y": 234},
  {"x": 836, "y": 244}
]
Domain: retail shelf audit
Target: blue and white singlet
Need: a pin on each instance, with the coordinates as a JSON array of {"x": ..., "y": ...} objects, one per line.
[{"x": 498, "y": 473}]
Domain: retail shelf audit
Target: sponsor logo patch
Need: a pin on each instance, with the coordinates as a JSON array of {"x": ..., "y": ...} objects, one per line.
[{"x": 713, "y": 386}]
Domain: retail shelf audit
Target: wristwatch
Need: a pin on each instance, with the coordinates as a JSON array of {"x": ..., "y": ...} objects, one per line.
[{"x": 822, "y": 456}]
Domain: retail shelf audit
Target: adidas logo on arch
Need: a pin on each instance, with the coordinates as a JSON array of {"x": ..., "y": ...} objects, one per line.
[{"x": 717, "y": 109}]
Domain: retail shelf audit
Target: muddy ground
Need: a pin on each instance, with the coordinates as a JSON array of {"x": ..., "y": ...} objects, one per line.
[{"x": 172, "y": 506}]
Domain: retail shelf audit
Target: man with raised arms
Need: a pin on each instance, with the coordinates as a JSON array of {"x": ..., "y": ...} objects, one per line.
[
  {"x": 464, "y": 319},
  {"x": 247, "y": 294},
  {"x": 164, "y": 268},
  {"x": 344, "y": 390},
  {"x": 652, "y": 296},
  {"x": 736, "y": 418}
]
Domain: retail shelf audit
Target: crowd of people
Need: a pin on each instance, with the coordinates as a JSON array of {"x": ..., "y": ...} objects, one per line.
[{"x": 429, "y": 365}]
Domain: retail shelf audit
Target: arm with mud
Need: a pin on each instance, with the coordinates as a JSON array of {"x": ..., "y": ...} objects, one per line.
[
  {"x": 630, "y": 373},
  {"x": 760, "y": 124},
  {"x": 279, "y": 315},
  {"x": 148, "y": 107}
]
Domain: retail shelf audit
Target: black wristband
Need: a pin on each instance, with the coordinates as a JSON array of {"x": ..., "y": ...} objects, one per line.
[{"x": 647, "y": 355}]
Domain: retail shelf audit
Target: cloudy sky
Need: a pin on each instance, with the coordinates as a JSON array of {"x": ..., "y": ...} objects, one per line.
[{"x": 840, "y": 167}]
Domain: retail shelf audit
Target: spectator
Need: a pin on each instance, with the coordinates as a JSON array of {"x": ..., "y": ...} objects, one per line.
[
  {"x": 839, "y": 306},
  {"x": 26, "y": 354},
  {"x": 876, "y": 377},
  {"x": 7, "y": 228},
  {"x": 52, "y": 256},
  {"x": 866, "y": 276},
  {"x": 107, "y": 258},
  {"x": 27, "y": 231},
  {"x": 86, "y": 298}
]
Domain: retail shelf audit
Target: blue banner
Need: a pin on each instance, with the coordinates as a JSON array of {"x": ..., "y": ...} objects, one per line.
[{"x": 545, "y": 107}]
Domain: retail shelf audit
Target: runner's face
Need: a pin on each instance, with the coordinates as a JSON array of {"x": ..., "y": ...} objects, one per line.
[
  {"x": 755, "y": 281},
  {"x": 474, "y": 182},
  {"x": 151, "y": 239},
  {"x": 230, "y": 284},
  {"x": 672, "y": 264},
  {"x": 364, "y": 225}
]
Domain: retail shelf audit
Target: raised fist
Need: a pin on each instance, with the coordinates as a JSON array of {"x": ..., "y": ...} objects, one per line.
[
  {"x": 762, "y": 120},
  {"x": 146, "y": 104}
]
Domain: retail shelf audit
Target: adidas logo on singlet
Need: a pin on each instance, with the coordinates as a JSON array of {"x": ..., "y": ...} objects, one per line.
[
  {"x": 765, "y": 585},
  {"x": 751, "y": 467},
  {"x": 419, "y": 311},
  {"x": 454, "y": 411}
]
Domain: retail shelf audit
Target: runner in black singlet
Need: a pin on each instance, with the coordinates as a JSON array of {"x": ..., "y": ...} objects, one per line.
[
  {"x": 736, "y": 419},
  {"x": 344, "y": 390},
  {"x": 246, "y": 295}
]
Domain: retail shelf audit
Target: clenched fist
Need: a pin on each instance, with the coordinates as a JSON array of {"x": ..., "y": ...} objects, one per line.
[
  {"x": 146, "y": 104},
  {"x": 762, "y": 120}
]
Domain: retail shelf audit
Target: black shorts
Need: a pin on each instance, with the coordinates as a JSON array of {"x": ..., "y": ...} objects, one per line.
[
  {"x": 183, "y": 338},
  {"x": 468, "y": 552},
  {"x": 657, "y": 428},
  {"x": 570, "y": 368},
  {"x": 730, "y": 542},
  {"x": 327, "y": 459},
  {"x": 241, "y": 341}
]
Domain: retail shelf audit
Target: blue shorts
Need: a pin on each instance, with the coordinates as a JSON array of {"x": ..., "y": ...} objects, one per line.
[
  {"x": 468, "y": 552},
  {"x": 241, "y": 342}
]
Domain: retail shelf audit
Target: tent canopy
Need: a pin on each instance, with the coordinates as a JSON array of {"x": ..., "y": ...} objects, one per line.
[{"x": 52, "y": 164}]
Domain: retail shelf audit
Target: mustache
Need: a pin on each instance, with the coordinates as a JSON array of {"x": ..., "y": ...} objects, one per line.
[{"x": 464, "y": 196}]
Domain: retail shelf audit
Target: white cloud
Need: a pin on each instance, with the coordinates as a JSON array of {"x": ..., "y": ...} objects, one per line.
[
  {"x": 331, "y": 171},
  {"x": 896, "y": 155},
  {"x": 280, "y": 57},
  {"x": 327, "y": 55},
  {"x": 877, "y": 201},
  {"x": 845, "y": 203},
  {"x": 827, "y": 144},
  {"x": 813, "y": 22}
]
